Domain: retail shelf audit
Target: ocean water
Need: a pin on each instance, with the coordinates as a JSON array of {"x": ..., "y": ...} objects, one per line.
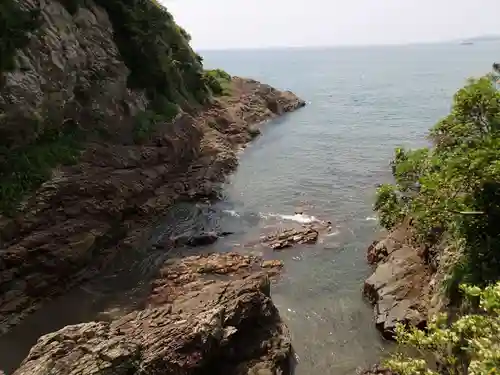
[
  {"x": 324, "y": 160},
  {"x": 327, "y": 159}
]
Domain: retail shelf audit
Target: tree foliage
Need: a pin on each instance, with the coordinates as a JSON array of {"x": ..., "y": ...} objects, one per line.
[
  {"x": 454, "y": 187},
  {"x": 157, "y": 52},
  {"x": 468, "y": 346},
  {"x": 218, "y": 81}
]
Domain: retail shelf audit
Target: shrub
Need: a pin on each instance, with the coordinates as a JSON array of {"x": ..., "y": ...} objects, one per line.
[
  {"x": 24, "y": 169},
  {"x": 72, "y": 6},
  {"x": 16, "y": 26},
  {"x": 218, "y": 81},
  {"x": 454, "y": 187},
  {"x": 389, "y": 206},
  {"x": 468, "y": 346},
  {"x": 157, "y": 52},
  {"x": 146, "y": 122}
]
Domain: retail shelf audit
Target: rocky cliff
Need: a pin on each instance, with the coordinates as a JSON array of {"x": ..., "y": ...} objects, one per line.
[{"x": 106, "y": 119}]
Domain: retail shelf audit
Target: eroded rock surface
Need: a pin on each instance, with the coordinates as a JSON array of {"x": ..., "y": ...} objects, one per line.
[
  {"x": 76, "y": 222},
  {"x": 399, "y": 286},
  {"x": 206, "y": 315}
]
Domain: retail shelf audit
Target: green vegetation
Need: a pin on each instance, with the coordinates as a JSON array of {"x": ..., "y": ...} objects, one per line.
[
  {"x": 468, "y": 346},
  {"x": 24, "y": 169},
  {"x": 218, "y": 81},
  {"x": 72, "y": 6},
  {"x": 157, "y": 52},
  {"x": 16, "y": 25},
  {"x": 454, "y": 188},
  {"x": 155, "y": 49},
  {"x": 451, "y": 192},
  {"x": 146, "y": 122}
]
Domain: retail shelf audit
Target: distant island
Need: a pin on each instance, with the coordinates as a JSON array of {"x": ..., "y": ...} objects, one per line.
[{"x": 482, "y": 38}]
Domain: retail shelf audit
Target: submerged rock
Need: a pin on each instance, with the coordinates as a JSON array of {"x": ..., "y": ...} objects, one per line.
[
  {"x": 206, "y": 315},
  {"x": 289, "y": 237}
]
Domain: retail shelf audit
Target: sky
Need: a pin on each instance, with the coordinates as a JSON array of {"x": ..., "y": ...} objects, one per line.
[{"x": 227, "y": 24}]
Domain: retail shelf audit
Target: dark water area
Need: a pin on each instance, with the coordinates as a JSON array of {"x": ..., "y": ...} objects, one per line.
[{"x": 324, "y": 160}]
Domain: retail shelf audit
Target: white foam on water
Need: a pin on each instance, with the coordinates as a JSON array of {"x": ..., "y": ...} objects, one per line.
[
  {"x": 232, "y": 213},
  {"x": 299, "y": 218},
  {"x": 333, "y": 234},
  {"x": 371, "y": 218}
]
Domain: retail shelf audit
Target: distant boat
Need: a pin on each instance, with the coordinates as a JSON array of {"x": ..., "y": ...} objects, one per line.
[{"x": 466, "y": 43}]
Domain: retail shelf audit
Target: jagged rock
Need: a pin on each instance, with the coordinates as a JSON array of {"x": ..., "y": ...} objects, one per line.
[
  {"x": 201, "y": 239},
  {"x": 398, "y": 286},
  {"x": 206, "y": 315},
  {"x": 83, "y": 216},
  {"x": 290, "y": 237}
]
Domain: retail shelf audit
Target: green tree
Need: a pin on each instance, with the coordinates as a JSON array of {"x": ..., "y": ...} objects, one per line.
[
  {"x": 454, "y": 186},
  {"x": 468, "y": 346}
]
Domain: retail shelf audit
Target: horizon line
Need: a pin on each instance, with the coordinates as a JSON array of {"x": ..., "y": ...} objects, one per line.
[{"x": 329, "y": 46}]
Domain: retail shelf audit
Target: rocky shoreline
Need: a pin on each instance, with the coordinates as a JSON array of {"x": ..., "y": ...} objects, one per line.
[
  {"x": 206, "y": 314},
  {"x": 85, "y": 215}
]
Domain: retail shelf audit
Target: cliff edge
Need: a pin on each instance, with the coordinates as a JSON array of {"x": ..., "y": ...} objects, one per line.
[{"x": 107, "y": 118}]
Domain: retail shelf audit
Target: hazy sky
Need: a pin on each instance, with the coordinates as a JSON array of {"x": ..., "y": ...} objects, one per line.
[{"x": 220, "y": 24}]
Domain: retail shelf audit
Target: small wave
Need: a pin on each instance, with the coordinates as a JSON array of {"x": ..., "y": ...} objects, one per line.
[
  {"x": 333, "y": 234},
  {"x": 299, "y": 218},
  {"x": 371, "y": 218},
  {"x": 232, "y": 213}
]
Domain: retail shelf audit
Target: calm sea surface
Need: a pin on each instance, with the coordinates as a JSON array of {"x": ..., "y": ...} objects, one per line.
[{"x": 324, "y": 159}]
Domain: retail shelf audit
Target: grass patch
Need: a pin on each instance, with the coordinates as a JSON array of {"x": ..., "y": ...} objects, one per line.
[{"x": 24, "y": 169}]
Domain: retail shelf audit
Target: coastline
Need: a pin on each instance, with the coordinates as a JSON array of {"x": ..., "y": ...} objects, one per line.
[{"x": 87, "y": 219}]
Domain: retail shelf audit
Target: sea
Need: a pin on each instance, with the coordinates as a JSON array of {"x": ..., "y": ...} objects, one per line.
[{"x": 322, "y": 162}]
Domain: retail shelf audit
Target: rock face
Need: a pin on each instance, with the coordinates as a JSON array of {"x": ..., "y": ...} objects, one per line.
[
  {"x": 85, "y": 214},
  {"x": 207, "y": 315},
  {"x": 399, "y": 286}
]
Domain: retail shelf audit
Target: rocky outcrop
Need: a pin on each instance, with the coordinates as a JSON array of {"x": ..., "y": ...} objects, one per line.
[
  {"x": 84, "y": 214},
  {"x": 207, "y": 315},
  {"x": 290, "y": 237},
  {"x": 399, "y": 286}
]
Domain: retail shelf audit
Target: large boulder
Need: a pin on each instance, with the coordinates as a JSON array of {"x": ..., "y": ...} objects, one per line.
[
  {"x": 398, "y": 287},
  {"x": 206, "y": 315}
]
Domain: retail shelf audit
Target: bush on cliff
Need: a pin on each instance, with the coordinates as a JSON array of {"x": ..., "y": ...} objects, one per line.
[
  {"x": 23, "y": 169},
  {"x": 454, "y": 187},
  {"x": 16, "y": 24},
  {"x": 161, "y": 62},
  {"x": 157, "y": 52},
  {"x": 218, "y": 81},
  {"x": 468, "y": 346}
]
